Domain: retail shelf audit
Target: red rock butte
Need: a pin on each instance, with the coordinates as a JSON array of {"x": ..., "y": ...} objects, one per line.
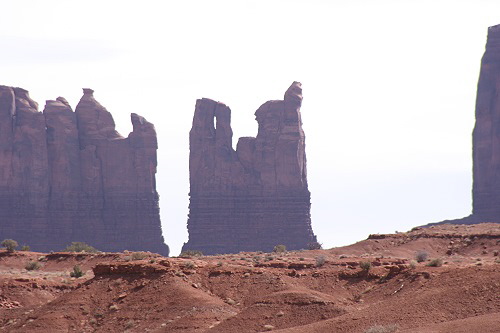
[
  {"x": 486, "y": 138},
  {"x": 70, "y": 176},
  {"x": 254, "y": 197}
]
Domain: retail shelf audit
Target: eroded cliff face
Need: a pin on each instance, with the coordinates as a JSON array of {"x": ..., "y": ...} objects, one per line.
[
  {"x": 254, "y": 197},
  {"x": 69, "y": 176},
  {"x": 486, "y": 135}
]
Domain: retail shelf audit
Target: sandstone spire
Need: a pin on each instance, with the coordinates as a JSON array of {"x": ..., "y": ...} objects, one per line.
[
  {"x": 70, "y": 176},
  {"x": 257, "y": 196}
]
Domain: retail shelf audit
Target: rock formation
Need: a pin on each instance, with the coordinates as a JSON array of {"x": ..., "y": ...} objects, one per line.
[
  {"x": 486, "y": 135},
  {"x": 486, "y": 138},
  {"x": 69, "y": 176},
  {"x": 256, "y": 196}
]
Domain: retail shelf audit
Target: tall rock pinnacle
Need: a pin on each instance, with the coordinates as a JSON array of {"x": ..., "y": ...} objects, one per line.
[
  {"x": 486, "y": 138},
  {"x": 69, "y": 176},
  {"x": 486, "y": 135},
  {"x": 257, "y": 196}
]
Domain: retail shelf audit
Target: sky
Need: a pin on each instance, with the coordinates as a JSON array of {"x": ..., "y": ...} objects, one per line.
[{"x": 389, "y": 90}]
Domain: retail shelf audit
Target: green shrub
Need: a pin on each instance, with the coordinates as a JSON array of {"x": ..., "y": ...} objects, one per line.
[
  {"x": 139, "y": 255},
  {"x": 80, "y": 247},
  {"x": 32, "y": 266},
  {"x": 320, "y": 261},
  {"x": 435, "y": 263},
  {"x": 191, "y": 253},
  {"x": 279, "y": 248},
  {"x": 190, "y": 265},
  {"x": 77, "y": 272},
  {"x": 25, "y": 248},
  {"x": 383, "y": 329},
  {"x": 365, "y": 265},
  {"x": 421, "y": 256},
  {"x": 10, "y": 245}
]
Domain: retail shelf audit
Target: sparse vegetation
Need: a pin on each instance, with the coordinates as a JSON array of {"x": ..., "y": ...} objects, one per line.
[
  {"x": 32, "y": 266},
  {"x": 320, "y": 261},
  {"x": 190, "y": 265},
  {"x": 421, "y": 256},
  {"x": 25, "y": 248},
  {"x": 383, "y": 329},
  {"x": 435, "y": 263},
  {"x": 279, "y": 248},
  {"x": 80, "y": 247},
  {"x": 129, "y": 324},
  {"x": 413, "y": 264},
  {"x": 191, "y": 253},
  {"x": 77, "y": 272},
  {"x": 139, "y": 255},
  {"x": 314, "y": 246},
  {"x": 365, "y": 265},
  {"x": 10, "y": 245}
]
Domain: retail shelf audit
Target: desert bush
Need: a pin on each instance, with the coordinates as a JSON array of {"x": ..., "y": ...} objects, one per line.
[
  {"x": 32, "y": 266},
  {"x": 314, "y": 246},
  {"x": 279, "y": 248},
  {"x": 139, "y": 255},
  {"x": 413, "y": 264},
  {"x": 365, "y": 265},
  {"x": 435, "y": 263},
  {"x": 320, "y": 261},
  {"x": 80, "y": 247},
  {"x": 77, "y": 272},
  {"x": 190, "y": 265},
  {"x": 421, "y": 256},
  {"x": 129, "y": 324},
  {"x": 383, "y": 329},
  {"x": 191, "y": 253},
  {"x": 10, "y": 245},
  {"x": 25, "y": 248}
]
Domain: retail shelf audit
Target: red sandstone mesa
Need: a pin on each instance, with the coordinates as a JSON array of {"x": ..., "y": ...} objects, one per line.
[
  {"x": 256, "y": 196},
  {"x": 69, "y": 176}
]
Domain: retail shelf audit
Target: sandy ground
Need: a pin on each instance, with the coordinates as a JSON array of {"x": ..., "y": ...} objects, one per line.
[{"x": 299, "y": 291}]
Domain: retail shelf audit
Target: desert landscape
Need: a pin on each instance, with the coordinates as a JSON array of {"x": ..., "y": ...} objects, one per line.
[
  {"x": 438, "y": 279},
  {"x": 83, "y": 243}
]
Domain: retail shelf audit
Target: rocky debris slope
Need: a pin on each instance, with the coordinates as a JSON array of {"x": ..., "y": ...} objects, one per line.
[
  {"x": 297, "y": 291},
  {"x": 69, "y": 176},
  {"x": 256, "y": 196}
]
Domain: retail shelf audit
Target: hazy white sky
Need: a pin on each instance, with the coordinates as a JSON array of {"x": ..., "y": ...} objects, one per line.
[{"x": 389, "y": 90}]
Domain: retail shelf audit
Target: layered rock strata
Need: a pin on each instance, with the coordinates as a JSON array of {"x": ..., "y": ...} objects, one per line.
[
  {"x": 486, "y": 134},
  {"x": 68, "y": 176},
  {"x": 256, "y": 196},
  {"x": 486, "y": 138}
]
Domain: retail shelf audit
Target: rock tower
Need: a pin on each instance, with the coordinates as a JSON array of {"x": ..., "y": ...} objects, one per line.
[
  {"x": 254, "y": 197},
  {"x": 486, "y": 135},
  {"x": 69, "y": 176}
]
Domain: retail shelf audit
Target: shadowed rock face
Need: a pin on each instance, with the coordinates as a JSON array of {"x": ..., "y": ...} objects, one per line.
[
  {"x": 69, "y": 176},
  {"x": 257, "y": 196},
  {"x": 486, "y": 135},
  {"x": 486, "y": 138}
]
